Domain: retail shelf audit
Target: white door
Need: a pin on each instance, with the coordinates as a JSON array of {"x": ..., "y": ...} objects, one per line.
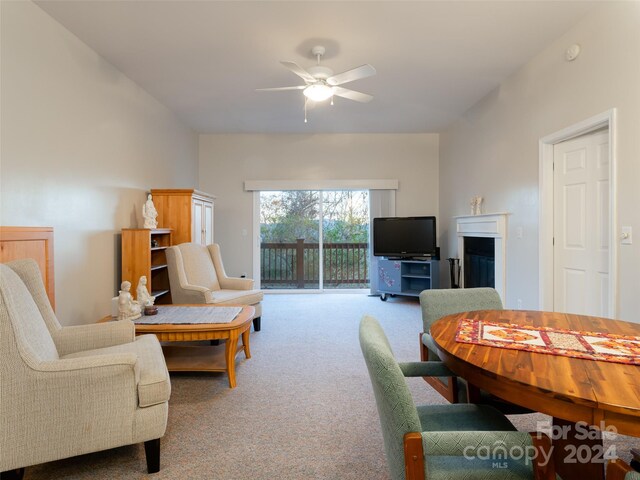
[
  {"x": 208, "y": 223},
  {"x": 581, "y": 225},
  {"x": 197, "y": 221}
]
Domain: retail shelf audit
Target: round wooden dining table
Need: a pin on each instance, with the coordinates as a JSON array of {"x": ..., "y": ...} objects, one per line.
[{"x": 603, "y": 394}]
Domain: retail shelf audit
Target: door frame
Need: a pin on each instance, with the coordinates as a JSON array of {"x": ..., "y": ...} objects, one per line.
[
  {"x": 546, "y": 291},
  {"x": 255, "y": 250}
]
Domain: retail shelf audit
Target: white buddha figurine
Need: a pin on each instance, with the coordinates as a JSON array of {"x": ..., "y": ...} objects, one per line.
[
  {"x": 128, "y": 308},
  {"x": 143, "y": 297},
  {"x": 478, "y": 206},
  {"x": 149, "y": 213}
]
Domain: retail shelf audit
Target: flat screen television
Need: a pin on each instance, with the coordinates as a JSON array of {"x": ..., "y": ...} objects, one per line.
[{"x": 405, "y": 237}]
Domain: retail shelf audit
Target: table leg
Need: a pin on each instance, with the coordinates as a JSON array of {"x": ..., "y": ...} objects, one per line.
[
  {"x": 230, "y": 350},
  {"x": 473, "y": 393},
  {"x": 573, "y": 452},
  {"x": 245, "y": 342}
]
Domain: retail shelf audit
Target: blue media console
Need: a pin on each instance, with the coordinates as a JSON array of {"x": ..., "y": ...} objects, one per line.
[{"x": 406, "y": 277}]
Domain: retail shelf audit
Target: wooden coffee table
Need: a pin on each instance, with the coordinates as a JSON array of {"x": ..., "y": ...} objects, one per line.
[{"x": 203, "y": 358}]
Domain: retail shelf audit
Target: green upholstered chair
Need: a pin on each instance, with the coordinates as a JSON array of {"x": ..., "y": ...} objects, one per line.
[
  {"x": 436, "y": 304},
  {"x": 440, "y": 441}
]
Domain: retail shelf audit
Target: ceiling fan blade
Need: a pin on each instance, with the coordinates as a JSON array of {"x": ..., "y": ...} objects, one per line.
[
  {"x": 280, "y": 89},
  {"x": 363, "y": 71},
  {"x": 301, "y": 72},
  {"x": 352, "y": 94}
]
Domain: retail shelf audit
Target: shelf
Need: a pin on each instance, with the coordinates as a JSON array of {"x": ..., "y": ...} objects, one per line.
[
  {"x": 406, "y": 277},
  {"x": 144, "y": 254},
  {"x": 412, "y": 293},
  {"x": 197, "y": 358}
]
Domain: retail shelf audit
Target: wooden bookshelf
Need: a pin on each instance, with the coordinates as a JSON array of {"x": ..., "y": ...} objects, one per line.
[{"x": 143, "y": 253}]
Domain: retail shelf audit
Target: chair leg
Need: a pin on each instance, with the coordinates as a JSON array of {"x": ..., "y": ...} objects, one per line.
[
  {"x": 16, "y": 474},
  {"x": 617, "y": 469},
  {"x": 152, "y": 451},
  {"x": 635, "y": 461},
  {"x": 256, "y": 324}
]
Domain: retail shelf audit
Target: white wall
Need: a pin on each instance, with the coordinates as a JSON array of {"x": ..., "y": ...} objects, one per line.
[
  {"x": 493, "y": 150},
  {"x": 226, "y": 161},
  {"x": 81, "y": 143}
]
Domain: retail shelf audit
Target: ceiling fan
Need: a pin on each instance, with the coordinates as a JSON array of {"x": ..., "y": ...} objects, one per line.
[{"x": 321, "y": 83}]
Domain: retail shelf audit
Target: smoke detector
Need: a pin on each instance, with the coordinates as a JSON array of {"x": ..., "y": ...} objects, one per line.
[{"x": 572, "y": 52}]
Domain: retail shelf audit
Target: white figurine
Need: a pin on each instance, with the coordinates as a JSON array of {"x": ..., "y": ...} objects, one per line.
[
  {"x": 128, "y": 308},
  {"x": 478, "y": 206},
  {"x": 143, "y": 297},
  {"x": 473, "y": 203},
  {"x": 149, "y": 213}
]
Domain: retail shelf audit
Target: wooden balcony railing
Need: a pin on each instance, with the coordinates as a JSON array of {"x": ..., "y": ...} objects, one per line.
[{"x": 296, "y": 265}]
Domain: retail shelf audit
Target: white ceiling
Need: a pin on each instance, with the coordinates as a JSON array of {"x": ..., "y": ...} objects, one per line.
[{"x": 204, "y": 59}]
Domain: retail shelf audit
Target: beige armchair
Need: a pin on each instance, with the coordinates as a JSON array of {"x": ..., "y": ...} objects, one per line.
[
  {"x": 68, "y": 391},
  {"x": 196, "y": 275}
]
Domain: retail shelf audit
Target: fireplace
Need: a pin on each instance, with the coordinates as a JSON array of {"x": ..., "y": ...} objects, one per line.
[
  {"x": 479, "y": 262},
  {"x": 482, "y": 241}
]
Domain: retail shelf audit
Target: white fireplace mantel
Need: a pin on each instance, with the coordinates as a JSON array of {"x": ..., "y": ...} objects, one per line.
[{"x": 491, "y": 225}]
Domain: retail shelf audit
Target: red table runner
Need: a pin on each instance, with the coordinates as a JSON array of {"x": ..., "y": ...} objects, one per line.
[{"x": 555, "y": 341}]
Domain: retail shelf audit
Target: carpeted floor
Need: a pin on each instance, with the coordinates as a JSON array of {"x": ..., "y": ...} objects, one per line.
[{"x": 303, "y": 407}]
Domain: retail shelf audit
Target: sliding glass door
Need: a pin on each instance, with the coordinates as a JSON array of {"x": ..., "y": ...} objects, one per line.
[
  {"x": 345, "y": 239},
  {"x": 311, "y": 240},
  {"x": 289, "y": 239}
]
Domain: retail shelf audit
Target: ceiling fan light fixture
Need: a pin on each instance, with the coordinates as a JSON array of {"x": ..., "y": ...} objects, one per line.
[
  {"x": 320, "y": 83},
  {"x": 318, "y": 92}
]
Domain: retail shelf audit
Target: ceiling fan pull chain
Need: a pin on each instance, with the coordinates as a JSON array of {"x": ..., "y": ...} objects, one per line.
[{"x": 305, "y": 109}]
